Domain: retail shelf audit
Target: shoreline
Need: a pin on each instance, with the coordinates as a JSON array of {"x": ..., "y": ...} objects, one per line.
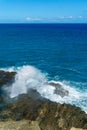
[{"x": 31, "y": 107}]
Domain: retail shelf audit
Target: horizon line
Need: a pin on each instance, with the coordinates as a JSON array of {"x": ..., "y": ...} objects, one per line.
[{"x": 42, "y": 23}]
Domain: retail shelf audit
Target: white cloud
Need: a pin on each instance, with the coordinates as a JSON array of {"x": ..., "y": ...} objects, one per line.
[
  {"x": 80, "y": 17},
  {"x": 54, "y": 19},
  {"x": 70, "y": 17},
  {"x": 33, "y": 19},
  {"x": 61, "y": 17},
  {"x": 66, "y": 17}
]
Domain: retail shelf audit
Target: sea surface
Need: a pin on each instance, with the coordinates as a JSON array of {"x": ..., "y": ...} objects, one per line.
[{"x": 42, "y": 53}]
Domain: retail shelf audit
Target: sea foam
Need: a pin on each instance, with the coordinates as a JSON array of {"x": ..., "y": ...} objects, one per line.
[{"x": 29, "y": 77}]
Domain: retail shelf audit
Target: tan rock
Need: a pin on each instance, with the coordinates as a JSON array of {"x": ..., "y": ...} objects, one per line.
[
  {"x": 19, "y": 125},
  {"x": 61, "y": 123},
  {"x": 73, "y": 128}
]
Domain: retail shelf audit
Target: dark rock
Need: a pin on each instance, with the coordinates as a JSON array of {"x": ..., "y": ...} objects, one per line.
[
  {"x": 6, "y": 77},
  {"x": 1, "y": 99},
  {"x": 32, "y": 107},
  {"x": 33, "y": 94},
  {"x": 49, "y": 115},
  {"x": 59, "y": 90}
]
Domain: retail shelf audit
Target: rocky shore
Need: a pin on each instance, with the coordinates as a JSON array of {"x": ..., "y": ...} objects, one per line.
[{"x": 32, "y": 112}]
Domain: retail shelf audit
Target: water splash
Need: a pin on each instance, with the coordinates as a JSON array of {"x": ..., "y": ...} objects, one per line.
[{"x": 29, "y": 77}]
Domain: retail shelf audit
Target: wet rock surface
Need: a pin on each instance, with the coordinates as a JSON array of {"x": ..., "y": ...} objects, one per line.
[
  {"x": 39, "y": 113},
  {"x": 59, "y": 90},
  {"x": 6, "y": 77}
]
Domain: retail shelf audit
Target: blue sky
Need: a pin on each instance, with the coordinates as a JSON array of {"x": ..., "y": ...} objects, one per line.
[{"x": 40, "y": 11}]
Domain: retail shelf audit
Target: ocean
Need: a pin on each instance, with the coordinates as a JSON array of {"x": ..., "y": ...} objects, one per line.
[{"x": 42, "y": 53}]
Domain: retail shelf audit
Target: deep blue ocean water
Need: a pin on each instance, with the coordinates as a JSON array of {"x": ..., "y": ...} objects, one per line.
[{"x": 60, "y": 50}]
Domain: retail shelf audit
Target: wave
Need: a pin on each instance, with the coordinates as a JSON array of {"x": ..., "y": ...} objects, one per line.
[{"x": 29, "y": 77}]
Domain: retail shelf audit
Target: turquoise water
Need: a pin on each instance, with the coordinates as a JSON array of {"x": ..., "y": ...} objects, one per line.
[{"x": 59, "y": 51}]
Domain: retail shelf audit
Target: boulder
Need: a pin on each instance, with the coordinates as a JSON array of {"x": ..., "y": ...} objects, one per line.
[
  {"x": 6, "y": 77},
  {"x": 59, "y": 90}
]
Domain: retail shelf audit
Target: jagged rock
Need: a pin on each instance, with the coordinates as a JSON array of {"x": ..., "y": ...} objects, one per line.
[
  {"x": 34, "y": 94},
  {"x": 1, "y": 98},
  {"x": 59, "y": 90},
  {"x": 6, "y": 77},
  {"x": 19, "y": 125},
  {"x": 41, "y": 113},
  {"x": 49, "y": 115}
]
